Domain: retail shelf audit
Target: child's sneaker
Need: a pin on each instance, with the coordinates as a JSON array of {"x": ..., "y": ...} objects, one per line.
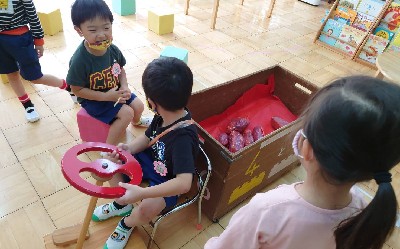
[
  {"x": 118, "y": 238},
  {"x": 108, "y": 210},
  {"x": 144, "y": 121},
  {"x": 74, "y": 98},
  {"x": 31, "y": 114}
]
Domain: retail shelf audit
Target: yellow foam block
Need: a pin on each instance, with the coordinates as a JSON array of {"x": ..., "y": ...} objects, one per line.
[
  {"x": 4, "y": 78},
  {"x": 51, "y": 21},
  {"x": 160, "y": 22}
]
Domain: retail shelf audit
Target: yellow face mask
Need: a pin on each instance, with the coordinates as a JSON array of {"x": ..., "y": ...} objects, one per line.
[{"x": 100, "y": 45}]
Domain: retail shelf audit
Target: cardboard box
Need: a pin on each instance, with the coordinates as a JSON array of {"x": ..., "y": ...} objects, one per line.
[{"x": 237, "y": 176}]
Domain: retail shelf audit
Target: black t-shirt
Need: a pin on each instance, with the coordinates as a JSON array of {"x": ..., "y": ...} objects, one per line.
[{"x": 177, "y": 149}]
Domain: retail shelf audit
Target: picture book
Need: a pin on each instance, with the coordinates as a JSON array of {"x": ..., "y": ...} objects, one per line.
[
  {"x": 351, "y": 35},
  {"x": 352, "y": 4},
  {"x": 345, "y": 47},
  {"x": 344, "y": 15},
  {"x": 384, "y": 33},
  {"x": 384, "y": 25},
  {"x": 363, "y": 21},
  {"x": 331, "y": 32},
  {"x": 373, "y": 47},
  {"x": 370, "y": 7},
  {"x": 392, "y": 16},
  {"x": 349, "y": 39},
  {"x": 396, "y": 40}
]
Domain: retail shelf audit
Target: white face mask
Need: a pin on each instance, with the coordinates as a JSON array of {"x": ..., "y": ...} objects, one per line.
[
  {"x": 100, "y": 45},
  {"x": 295, "y": 143}
]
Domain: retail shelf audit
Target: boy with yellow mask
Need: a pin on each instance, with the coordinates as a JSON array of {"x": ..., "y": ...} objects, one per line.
[{"x": 96, "y": 72}]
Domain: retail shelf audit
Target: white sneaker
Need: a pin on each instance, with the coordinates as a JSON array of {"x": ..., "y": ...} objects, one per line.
[
  {"x": 144, "y": 121},
  {"x": 31, "y": 114},
  {"x": 118, "y": 238},
  {"x": 108, "y": 210},
  {"x": 74, "y": 98}
]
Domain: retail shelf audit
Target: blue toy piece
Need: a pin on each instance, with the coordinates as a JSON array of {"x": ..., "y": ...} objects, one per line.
[
  {"x": 124, "y": 7},
  {"x": 180, "y": 53}
]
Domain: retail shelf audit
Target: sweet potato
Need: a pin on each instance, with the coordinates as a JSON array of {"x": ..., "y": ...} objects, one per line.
[
  {"x": 236, "y": 141},
  {"x": 257, "y": 133},
  {"x": 248, "y": 137},
  {"x": 223, "y": 138},
  {"x": 278, "y": 122},
  {"x": 237, "y": 124}
]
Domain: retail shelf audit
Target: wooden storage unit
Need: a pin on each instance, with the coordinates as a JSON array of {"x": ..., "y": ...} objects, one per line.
[{"x": 360, "y": 46}]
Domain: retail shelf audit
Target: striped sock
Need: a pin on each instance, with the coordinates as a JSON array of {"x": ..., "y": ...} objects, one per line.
[
  {"x": 65, "y": 86},
  {"x": 25, "y": 101}
]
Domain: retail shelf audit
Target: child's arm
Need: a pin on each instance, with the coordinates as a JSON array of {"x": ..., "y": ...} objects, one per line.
[
  {"x": 34, "y": 22},
  {"x": 139, "y": 144},
  {"x": 123, "y": 80},
  {"x": 179, "y": 185},
  {"x": 246, "y": 229},
  {"x": 110, "y": 95}
]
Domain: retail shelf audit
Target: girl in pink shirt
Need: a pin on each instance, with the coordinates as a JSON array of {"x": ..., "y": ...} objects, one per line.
[{"x": 350, "y": 132}]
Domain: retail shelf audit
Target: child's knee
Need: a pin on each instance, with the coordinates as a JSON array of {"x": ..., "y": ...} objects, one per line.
[
  {"x": 137, "y": 105},
  {"x": 126, "y": 112}
]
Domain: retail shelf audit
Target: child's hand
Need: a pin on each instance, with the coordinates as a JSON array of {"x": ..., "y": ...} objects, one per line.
[
  {"x": 118, "y": 96},
  {"x": 39, "y": 50},
  {"x": 113, "y": 157},
  {"x": 133, "y": 194},
  {"x": 125, "y": 147}
]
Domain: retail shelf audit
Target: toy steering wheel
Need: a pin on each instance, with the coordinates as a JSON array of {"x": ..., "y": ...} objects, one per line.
[{"x": 71, "y": 166}]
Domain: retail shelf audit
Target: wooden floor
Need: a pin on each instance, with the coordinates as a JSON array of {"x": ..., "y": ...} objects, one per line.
[{"x": 35, "y": 199}]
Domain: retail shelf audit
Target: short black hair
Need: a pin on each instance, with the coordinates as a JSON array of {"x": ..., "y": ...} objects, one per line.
[
  {"x": 83, "y": 10},
  {"x": 168, "y": 82}
]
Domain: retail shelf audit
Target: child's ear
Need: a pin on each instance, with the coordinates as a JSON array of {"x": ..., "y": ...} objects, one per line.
[
  {"x": 78, "y": 30},
  {"x": 307, "y": 151}
]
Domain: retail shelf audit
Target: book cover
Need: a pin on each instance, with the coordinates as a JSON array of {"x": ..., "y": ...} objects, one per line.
[
  {"x": 384, "y": 25},
  {"x": 384, "y": 33},
  {"x": 352, "y": 4},
  {"x": 349, "y": 39},
  {"x": 345, "y": 47},
  {"x": 396, "y": 40},
  {"x": 331, "y": 32},
  {"x": 345, "y": 15},
  {"x": 373, "y": 47},
  {"x": 363, "y": 21},
  {"x": 392, "y": 16},
  {"x": 395, "y": 48},
  {"x": 370, "y": 7}
]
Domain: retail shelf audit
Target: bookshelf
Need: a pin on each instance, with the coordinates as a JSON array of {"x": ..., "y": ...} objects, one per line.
[{"x": 356, "y": 29}]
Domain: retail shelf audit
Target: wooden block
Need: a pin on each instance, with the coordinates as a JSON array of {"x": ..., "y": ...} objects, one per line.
[
  {"x": 4, "y": 78},
  {"x": 160, "y": 22},
  {"x": 68, "y": 235},
  {"x": 180, "y": 53},
  {"x": 51, "y": 21},
  {"x": 99, "y": 233},
  {"x": 124, "y": 7}
]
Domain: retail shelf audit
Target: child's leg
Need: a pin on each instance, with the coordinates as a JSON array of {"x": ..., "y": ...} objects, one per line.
[
  {"x": 51, "y": 80},
  {"x": 147, "y": 210},
  {"x": 138, "y": 108},
  {"x": 18, "y": 88},
  {"x": 143, "y": 214},
  {"x": 124, "y": 116}
]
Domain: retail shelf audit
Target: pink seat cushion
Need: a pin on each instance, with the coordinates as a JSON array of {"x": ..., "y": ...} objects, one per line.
[{"x": 91, "y": 129}]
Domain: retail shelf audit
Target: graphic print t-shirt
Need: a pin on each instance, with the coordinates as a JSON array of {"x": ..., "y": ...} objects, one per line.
[{"x": 95, "y": 72}]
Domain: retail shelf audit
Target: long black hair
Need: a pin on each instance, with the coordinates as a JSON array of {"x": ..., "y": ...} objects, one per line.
[{"x": 353, "y": 126}]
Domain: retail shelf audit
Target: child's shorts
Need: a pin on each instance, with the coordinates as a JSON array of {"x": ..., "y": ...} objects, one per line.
[
  {"x": 17, "y": 52},
  {"x": 146, "y": 162},
  {"x": 104, "y": 110}
]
